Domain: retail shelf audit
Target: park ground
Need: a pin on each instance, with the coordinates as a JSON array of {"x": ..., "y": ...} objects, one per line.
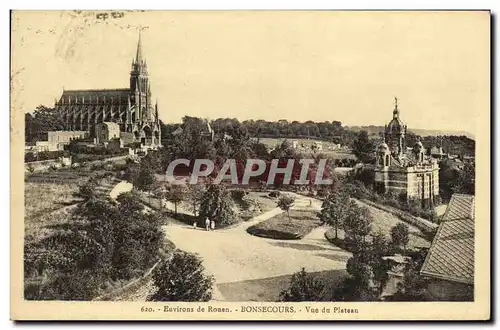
[
  {"x": 245, "y": 267},
  {"x": 251, "y": 268}
]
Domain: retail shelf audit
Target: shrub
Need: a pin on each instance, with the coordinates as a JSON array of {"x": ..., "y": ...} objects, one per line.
[
  {"x": 274, "y": 194},
  {"x": 181, "y": 278},
  {"x": 30, "y": 168},
  {"x": 109, "y": 167},
  {"x": 29, "y": 157},
  {"x": 303, "y": 287},
  {"x": 238, "y": 194},
  {"x": 81, "y": 285}
]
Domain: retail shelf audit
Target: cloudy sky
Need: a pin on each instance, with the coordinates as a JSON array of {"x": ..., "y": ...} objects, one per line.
[{"x": 319, "y": 66}]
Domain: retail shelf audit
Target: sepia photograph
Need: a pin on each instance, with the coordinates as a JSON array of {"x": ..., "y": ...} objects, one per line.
[{"x": 250, "y": 165}]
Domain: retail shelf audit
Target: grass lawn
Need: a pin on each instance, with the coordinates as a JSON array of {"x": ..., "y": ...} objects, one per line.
[
  {"x": 266, "y": 203},
  {"x": 269, "y": 289},
  {"x": 262, "y": 202},
  {"x": 42, "y": 198},
  {"x": 280, "y": 227},
  {"x": 383, "y": 223}
]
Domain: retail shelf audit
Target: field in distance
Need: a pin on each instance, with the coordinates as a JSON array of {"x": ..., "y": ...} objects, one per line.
[{"x": 304, "y": 145}]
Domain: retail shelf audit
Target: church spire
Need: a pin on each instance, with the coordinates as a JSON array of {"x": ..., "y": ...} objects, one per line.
[{"x": 138, "y": 55}]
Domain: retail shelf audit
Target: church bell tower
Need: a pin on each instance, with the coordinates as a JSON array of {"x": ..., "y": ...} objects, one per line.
[{"x": 140, "y": 90}]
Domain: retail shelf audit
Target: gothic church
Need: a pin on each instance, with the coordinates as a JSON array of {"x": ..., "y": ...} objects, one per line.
[{"x": 130, "y": 108}]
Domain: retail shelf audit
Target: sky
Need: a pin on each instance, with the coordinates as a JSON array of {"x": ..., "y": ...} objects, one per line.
[{"x": 318, "y": 65}]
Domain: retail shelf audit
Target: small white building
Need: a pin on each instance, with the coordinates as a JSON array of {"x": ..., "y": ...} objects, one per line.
[
  {"x": 41, "y": 146},
  {"x": 106, "y": 131},
  {"x": 58, "y": 139}
]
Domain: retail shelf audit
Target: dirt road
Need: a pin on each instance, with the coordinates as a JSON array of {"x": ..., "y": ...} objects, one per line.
[{"x": 250, "y": 268}]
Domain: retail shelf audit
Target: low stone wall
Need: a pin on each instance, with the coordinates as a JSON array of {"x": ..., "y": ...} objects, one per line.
[{"x": 422, "y": 224}]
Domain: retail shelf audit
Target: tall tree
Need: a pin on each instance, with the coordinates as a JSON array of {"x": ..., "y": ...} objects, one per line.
[
  {"x": 335, "y": 209},
  {"x": 400, "y": 236},
  {"x": 43, "y": 120},
  {"x": 176, "y": 194},
  {"x": 285, "y": 202},
  {"x": 195, "y": 195},
  {"x": 364, "y": 148},
  {"x": 217, "y": 204},
  {"x": 378, "y": 249},
  {"x": 145, "y": 179},
  {"x": 357, "y": 226}
]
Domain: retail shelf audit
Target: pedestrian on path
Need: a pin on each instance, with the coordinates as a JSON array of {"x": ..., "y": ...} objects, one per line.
[
  {"x": 195, "y": 224},
  {"x": 207, "y": 224},
  {"x": 212, "y": 225}
]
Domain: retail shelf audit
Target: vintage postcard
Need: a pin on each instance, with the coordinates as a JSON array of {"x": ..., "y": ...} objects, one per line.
[{"x": 250, "y": 165}]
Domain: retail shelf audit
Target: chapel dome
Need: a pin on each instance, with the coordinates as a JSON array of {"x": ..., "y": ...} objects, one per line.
[
  {"x": 395, "y": 126},
  {"x": 383, "y": 147}
]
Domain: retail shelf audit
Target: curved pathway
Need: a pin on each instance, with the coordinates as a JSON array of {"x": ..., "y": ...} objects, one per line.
[{"x": 250, "y": 268}]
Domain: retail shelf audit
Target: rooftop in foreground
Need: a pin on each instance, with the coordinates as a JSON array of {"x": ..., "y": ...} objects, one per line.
[{"x": 451, "y": 255}]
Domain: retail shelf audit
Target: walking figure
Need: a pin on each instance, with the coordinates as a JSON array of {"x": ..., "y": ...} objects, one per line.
[
  {"x": 212, "y": 225},
  {"x": 207, "y": 224},
  {"x": 195, "y": 224}
]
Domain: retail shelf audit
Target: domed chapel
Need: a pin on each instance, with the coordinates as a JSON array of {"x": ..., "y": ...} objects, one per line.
[{"x": 405, "y": 170}]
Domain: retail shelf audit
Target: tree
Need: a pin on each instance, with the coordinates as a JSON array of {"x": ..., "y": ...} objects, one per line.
[
  {"x": 356, "y": 287},
  {"x": 285, "y": 202},
  {"x": 334, "y": 209},
  {"x": 367, "y": 270},
  {"x": 414, "y": 286},
  {"x": 363, "y": 148},
  {"x": 161, "y": 192},
  {"x": 400, "y": 236},
  {"x": 466, "y": 181},
  {"x": 378, "y": 249},
  {"x": 176, "y": 194},
  {"x": 145, "y": 179},
  {"x": 454, "y": 179},
  {"x": 181, "y": 278},
  {"x": 86, "y": 191},
  {"x": 43, "y": 120},
  {"x": 129, "y": 204},
  {"x": 138, "y": 237},
  {"x": 195, "y": 195},
  {"x": 217, "y": 204},
  {"x": 357, "y": 225},
  {"x": 303, "y": 287}
]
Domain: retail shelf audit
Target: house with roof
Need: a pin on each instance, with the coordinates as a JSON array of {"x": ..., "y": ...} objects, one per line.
[{"x": 449, "y": 265}]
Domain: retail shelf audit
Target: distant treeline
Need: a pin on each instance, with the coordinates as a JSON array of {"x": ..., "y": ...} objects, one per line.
[
  {"x": 45, "y": 119},
  {"x": 326, "y": 131}
]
